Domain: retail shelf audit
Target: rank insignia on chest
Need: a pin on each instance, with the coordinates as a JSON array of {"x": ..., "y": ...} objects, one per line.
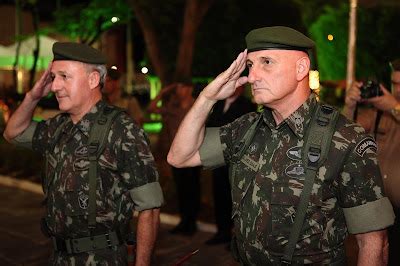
[
  {"x": 249, "y": 162},
  {"x": 295, "y": 171},
  {"x": 81, "y": 151},
  {"x": 83, "y": 201},
  {"x": 294, "y": 153}
]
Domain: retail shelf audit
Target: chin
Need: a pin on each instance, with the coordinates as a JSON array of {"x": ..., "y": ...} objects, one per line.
[{"x": 63, "y": 107}]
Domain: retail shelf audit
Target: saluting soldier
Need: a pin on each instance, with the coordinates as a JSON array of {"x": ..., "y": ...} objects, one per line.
[
  {"x": 302, "y": 175},
  {"x": 99, "y": 167}
]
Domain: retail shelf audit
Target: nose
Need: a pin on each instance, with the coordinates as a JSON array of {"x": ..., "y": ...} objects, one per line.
[
  {"x": 253, "y": 75},
  {"x": 56, "y": 84}
]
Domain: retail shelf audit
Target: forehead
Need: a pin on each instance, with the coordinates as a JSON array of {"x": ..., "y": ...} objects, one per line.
[
  {"x": 265, "y": 53},
  {"x": 275, "y": 54},
  {"x": 67, "y": 66}
]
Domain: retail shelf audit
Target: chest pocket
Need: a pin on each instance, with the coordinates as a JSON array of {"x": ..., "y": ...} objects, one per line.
[
  {"x": 284, "y": 199},
  {"x": 242, "y": 175},
  {"x": 240, "y": 182},
  {"x": 76, "y": 195}
]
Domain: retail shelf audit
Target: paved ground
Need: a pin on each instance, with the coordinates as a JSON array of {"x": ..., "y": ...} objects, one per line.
[{"x": 21, "y": 242}]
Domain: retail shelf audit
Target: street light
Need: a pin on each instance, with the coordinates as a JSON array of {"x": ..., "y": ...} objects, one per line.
[{"x": 145, "y": 70}]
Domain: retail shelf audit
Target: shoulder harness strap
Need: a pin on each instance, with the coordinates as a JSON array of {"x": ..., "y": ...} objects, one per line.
[
  {"x": 316, "y": 147},
  {"x": 96, "y": 144}
]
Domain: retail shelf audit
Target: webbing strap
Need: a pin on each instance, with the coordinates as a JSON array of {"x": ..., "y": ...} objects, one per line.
[
  {"x": 97, "y": 140},
  {"x": 316, "y": 147}
]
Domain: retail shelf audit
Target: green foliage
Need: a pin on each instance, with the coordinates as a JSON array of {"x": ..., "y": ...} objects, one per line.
[
  {"x": 331, "y": 55},
  {"x": 377, "y": 41},
  {"x": 85, "y": 22}
]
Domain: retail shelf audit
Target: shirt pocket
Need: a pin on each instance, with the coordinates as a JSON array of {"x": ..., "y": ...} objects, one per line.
[
  {"x": 285, "y": 199},
  {"x": 240, "y": 184}
]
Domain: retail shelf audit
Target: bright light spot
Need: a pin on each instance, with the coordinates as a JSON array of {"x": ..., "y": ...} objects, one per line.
[
  {"x": 330, "y": 37},
  {"x": 145, "y": 70},
  {"x": 314, "y": 79},
  {"x": 114, "y": 67},
  {"x": 114, "y": 19}
]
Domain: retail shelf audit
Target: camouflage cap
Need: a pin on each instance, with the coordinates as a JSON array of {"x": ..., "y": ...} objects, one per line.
[
  {"x": 77, "y": 52},
  {"x": 277, "y": 38}
]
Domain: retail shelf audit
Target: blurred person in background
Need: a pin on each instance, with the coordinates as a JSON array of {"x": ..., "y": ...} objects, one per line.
[
  {"x": 380, "y": 116},
  {"x": 113, "y": 93},
  {"x": 177, "y": 99}
]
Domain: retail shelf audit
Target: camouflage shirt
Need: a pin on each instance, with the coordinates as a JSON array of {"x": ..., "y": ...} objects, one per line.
[
  {"x": 270, "y": 176},
  {"x": 127, "y": 177}
]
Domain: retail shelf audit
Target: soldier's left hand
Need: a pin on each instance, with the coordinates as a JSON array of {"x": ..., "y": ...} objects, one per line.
[{"x": 385, "y": 102}]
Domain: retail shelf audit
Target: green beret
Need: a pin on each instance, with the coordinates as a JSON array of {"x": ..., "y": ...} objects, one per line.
[
  {"x": 277, "y": 38},
  {"x": 77, "y": 52}
]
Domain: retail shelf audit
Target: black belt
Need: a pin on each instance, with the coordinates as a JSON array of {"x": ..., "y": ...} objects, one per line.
[{"x": 85, "y": 244}]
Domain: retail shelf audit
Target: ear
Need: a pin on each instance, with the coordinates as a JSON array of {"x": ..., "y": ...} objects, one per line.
[
  {"x": 94, "y": 79},
  {"x": 302, "y": 67}
]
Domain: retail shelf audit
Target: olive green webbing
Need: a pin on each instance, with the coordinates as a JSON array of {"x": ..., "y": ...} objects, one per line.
[
  {"x": 315, "y": 150},
  {"x": 96, "y": 145}
]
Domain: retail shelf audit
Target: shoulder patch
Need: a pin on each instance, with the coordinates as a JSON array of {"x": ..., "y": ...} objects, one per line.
[{"x": 364, "y": 145}]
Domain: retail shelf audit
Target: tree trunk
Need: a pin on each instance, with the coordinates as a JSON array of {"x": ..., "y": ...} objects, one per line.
[
  {"x": 194, "y": 13},
  {"x": 35, "y": 21},
  {"x": 18, "y": 35},
  {"x": 151, "y": 40}
]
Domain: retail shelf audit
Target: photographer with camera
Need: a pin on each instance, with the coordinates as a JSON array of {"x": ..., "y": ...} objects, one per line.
[{"x": 382, "y": 120}]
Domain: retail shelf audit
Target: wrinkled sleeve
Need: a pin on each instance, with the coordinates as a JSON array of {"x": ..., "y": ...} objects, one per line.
[
  {"x": 361, "y": 190},
  {"x": 220, "y": 143},
  {"x": 138, "y": 169},
  {"x": 26, "y": 137},
  {"x": 211, "y": 150}
]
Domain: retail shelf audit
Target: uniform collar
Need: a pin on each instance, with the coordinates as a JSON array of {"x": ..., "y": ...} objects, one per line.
[
  {"x": 87, "y": 121},
  {"x": 297, "y": 121}
]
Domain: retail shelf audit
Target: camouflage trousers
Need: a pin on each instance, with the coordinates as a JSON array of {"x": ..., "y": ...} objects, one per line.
[
  {"x": 243, "y": 254},
  {"x": 104, "y": 257}
]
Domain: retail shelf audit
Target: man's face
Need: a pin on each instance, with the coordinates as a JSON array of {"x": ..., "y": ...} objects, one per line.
[
  {"x": 396, "y": 84},
  {"x": 70, "y": 85},
  {"x": 272, "y": 75}
]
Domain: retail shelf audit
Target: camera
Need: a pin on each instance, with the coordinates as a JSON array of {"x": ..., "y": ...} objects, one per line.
[{"x": 370, "y": 89}]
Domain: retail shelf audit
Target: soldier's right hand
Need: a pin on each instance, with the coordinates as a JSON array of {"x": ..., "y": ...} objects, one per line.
[
  {"x": 42, "y": 86},
  {"x": 225, "y": 84},
  {"x": 353, "y": 94}
]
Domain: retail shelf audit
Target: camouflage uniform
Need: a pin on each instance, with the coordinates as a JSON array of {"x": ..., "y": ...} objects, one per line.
[
  {"x": 128, "y": 180},
  {"x": 270, "y": 177}
]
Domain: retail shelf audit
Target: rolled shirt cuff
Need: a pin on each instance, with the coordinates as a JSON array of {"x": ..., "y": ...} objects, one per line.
[
  {"x": 25, "y": 138},
  {"x": 148, "y": 196},
  {"x": 211, "y": 152},
  {"x": 372, "y": 216}
]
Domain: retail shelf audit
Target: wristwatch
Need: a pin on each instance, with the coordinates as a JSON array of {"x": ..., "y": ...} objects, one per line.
[{"x": 395, "y": 111}]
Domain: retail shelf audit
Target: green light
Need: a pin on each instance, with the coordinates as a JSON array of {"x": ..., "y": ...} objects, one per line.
[{"x": 152, "y": 127}]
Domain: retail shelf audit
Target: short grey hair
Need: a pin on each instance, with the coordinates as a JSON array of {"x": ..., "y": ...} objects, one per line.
[{"x": 102, "y": 71}]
